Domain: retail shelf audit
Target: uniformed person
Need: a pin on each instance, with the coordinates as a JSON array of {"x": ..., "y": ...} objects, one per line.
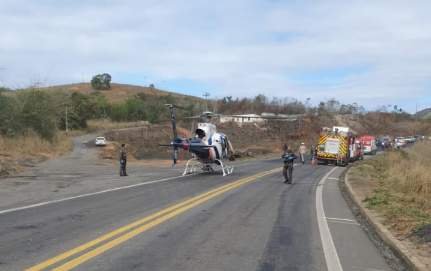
[
  {"x": 288, "y": 159},
  {"x": 123, "y": 160}
]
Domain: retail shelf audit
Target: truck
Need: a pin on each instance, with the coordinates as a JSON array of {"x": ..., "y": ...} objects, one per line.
[
  {"x": 368, "y": 144},
  {"x": 338, "y": 146}
]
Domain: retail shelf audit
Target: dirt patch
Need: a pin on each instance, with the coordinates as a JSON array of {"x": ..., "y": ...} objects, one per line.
[
  {"x": 19, "y": 153},
  {"x": 141, "y": 142}
]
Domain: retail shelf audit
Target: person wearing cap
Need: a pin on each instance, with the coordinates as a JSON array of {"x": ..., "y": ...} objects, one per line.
[{"x": 302, "y": 152}]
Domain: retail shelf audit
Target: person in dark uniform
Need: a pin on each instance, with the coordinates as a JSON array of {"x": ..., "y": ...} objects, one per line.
[
  {"x": 123, "y": 160},
  {"x": 313, "y": 154},
  {"x": 288, "y": 159}
]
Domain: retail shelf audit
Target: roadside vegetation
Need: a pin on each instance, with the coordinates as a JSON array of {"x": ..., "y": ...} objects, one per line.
[
  {"x": 400, "y": 183},
  {"x": 43, "y": 115},
  {"x": 24, "y": 150}
]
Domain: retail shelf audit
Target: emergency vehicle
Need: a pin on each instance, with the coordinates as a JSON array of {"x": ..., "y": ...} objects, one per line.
[
  {"x": 338, "y": 146},
  {"x": 369, "y": 145}
]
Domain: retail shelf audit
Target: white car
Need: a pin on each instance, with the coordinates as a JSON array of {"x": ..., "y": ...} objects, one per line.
[
  {"x": 100, "y": 141},
  {"x": 400, "y": 142}
]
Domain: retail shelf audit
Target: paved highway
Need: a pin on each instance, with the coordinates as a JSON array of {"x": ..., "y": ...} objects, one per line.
[{"x": 249, "y": 220}]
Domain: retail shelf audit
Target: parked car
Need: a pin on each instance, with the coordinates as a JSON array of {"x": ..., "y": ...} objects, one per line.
[
  {"x": 400, "y": 142},
  {"x": 410, "y": 139},
  {"x": 100, "y": 141},
  {"x": 384, "y": 142}
]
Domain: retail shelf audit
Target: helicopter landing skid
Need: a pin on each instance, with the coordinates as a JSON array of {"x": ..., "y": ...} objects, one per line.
[
  {"x": 227, "y": 170},
  {"x": 192, "y": 167}
]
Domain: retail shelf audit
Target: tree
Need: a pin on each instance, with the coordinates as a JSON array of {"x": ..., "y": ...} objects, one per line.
[
  {"x": 4, "y": 89},
  {"x": 10, "y": 123},
  {"x": 135, "y": 109},
  {"x": 39, "y": 113},
  {"x": 83, "y": 108},
  {"x": 101, "y": 81}
]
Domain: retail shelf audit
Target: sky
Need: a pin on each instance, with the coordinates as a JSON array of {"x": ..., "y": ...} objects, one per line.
[{"x": 370, "y": 52}]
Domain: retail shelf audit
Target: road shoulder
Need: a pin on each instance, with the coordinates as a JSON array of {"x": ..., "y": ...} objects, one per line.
[
  {"x": 354, "y": 249},
  {"x": 404, "y": 250}
]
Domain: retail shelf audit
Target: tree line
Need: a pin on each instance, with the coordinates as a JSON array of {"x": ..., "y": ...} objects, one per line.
[
  {"x": 46, "y": 112},
  {"x": 260, "y": 104}
]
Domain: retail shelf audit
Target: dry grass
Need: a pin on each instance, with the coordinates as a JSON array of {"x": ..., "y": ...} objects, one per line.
[
  {"x": 108, "y": 125},
  {"x": 18, "y": 152},
  {"x": 410, "y": 173},
  {"x": 118, "y": 92},
  {"x": 402, "y": 191}
]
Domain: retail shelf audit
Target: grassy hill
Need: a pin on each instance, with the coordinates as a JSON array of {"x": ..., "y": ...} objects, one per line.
[
  {"x": 118, "y": 92},
  {"x": 424, "y": 114}
]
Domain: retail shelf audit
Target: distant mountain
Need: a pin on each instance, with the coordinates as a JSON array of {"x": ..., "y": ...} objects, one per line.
[{"x": 424, "y": 114}]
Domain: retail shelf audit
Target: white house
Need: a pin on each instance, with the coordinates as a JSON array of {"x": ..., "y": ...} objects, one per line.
[
  {"x": 243, "y": 118},
  {"x": 254, "y": 118}
]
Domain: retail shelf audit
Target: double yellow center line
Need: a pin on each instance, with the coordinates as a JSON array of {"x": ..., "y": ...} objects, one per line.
[{"x": 116, "y": 237}]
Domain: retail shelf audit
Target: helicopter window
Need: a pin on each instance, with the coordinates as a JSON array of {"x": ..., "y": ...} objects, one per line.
[{"x": 200, "y": 133}]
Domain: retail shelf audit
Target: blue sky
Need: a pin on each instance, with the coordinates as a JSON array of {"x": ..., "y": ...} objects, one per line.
[{"x": 369, "y": 52}]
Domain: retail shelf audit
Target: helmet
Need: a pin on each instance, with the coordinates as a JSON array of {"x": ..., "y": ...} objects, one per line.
[{"x": 302, "y": 143}]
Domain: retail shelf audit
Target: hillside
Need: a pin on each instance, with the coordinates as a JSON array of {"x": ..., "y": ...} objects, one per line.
[
  {"x": 424, "y": 114},
  {"x": 118, "y": 92}
]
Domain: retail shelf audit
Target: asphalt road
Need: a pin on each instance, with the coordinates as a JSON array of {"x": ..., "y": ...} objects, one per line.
[{"x": 249, "y": 220}]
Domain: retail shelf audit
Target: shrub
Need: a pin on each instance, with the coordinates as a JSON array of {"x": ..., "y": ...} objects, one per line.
[{"x": 10, "y": 122}]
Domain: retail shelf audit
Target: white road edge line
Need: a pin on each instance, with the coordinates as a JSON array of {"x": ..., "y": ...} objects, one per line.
[
  {"x": 2, "y": 212},
  {"x": 341, "y": 219},
  {"x": 343, "y": 222},
  {"x": 329, "y": 250},
  {"x": 332, "y": 178}
]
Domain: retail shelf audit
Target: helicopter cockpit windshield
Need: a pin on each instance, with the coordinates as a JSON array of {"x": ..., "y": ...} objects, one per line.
[{"x": 200, "y": 133}]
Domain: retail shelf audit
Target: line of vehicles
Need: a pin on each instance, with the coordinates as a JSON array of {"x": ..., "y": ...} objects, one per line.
[
  {"x": 340, "y": 145},
  {"x": 211, "y": 149}
]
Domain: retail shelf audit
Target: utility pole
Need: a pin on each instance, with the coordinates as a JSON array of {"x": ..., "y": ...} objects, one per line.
[
  {"x": 206, "y": 95},
  {"x": 67, "y": 123},
  {"x": 416, "y": 119}
]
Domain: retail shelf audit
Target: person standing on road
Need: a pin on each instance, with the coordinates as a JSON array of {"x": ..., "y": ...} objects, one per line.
[
  {"x": 288, "y": 159},
  {"x": 313, "y": 153},
  {"x": 123, "y": 160},
  {"x": 302, "y": 152}
]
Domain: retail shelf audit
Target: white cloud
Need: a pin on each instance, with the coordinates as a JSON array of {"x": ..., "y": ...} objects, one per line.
[{"x": 241, "y": 47}]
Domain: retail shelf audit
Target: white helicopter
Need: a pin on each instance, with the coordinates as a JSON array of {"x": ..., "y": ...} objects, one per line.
[{"x": 209, "y": 149}]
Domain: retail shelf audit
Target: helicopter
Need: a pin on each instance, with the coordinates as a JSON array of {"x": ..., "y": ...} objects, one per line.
[{"x": 210, "y": 149}]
